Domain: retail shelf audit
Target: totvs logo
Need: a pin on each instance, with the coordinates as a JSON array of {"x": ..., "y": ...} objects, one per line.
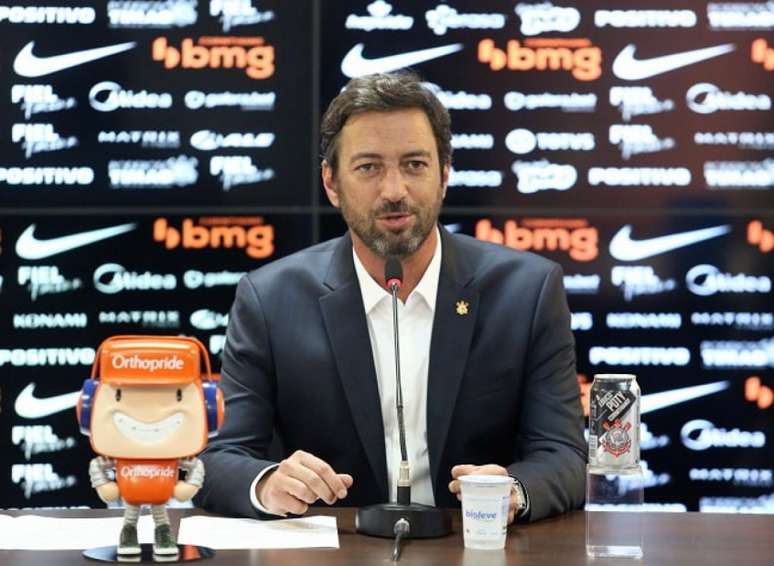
[
  {"x": 249, "y": 53},
  {"x": 573, "y": 236},
  {"x": 247, "y": 232},
  {"x": 545, "y": 54}
]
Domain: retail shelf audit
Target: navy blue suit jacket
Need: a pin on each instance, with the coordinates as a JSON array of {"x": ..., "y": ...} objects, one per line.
[{"x": 502, "y": 384}]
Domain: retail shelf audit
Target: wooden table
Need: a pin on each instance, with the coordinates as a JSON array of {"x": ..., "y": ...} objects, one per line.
[{"x": 669, "y": 538}]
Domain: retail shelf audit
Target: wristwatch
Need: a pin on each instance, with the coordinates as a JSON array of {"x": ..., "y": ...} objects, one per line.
[{"x": 522, "y": 502}]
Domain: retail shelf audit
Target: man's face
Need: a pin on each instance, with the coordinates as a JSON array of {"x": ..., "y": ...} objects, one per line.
[{"x": 388, "y": 183}]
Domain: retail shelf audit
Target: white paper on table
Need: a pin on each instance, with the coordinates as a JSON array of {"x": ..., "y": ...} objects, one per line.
[
  {"x": 224, "y": 533},
  {"x": 37, "y": 532}
]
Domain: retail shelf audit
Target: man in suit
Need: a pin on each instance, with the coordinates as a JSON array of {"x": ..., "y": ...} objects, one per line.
[{"x": 487, "y": 355}]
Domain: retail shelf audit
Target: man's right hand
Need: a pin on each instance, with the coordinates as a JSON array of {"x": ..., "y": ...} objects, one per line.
[{"x": 298, "y": 482}]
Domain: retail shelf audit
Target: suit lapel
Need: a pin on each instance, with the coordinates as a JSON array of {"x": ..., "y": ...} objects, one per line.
[
  {"x": 456, "y": 309},
  {"x": 345, "y": 322}
]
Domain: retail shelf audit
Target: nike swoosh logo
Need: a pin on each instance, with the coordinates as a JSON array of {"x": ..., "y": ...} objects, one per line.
[
  {"x": 28, "y": 406},
  {"x": 628, "y": 68},
  {"x": 29, "y": 247},
  {"x": 623, "y": 248},
  {"x": 655, "y": 401},
  {"x": 27, "y": 64},
  {"x": 355, "y": 65}
]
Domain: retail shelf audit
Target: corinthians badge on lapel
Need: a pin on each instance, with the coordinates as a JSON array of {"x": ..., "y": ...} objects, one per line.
[{"x": 462, "y": 307}]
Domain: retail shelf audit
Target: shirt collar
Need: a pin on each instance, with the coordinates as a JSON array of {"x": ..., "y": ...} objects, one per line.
[{"x": 427, "y": 288}]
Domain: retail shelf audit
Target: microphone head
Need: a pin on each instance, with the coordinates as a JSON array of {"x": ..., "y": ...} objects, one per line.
[{"x": 393, "y": 272}]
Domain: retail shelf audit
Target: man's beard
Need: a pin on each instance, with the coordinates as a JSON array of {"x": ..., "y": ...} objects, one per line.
[{"x": 385, "y": 243}]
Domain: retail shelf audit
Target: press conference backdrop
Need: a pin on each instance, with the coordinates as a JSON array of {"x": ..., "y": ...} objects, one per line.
[{"x": 154, "y": 151}]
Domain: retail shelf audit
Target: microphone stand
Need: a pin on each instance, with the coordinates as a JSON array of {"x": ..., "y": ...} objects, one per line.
[{"x": 402, "y": 519}]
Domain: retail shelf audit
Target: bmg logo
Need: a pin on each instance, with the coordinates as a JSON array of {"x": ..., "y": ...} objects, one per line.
[
  {"x": 249, "y": 53},
  {"x": 248, "y": 233}
]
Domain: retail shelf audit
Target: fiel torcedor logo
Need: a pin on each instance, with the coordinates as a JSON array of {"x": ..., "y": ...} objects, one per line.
[
  {"x": 249, "y": 233},
  {"x": 571, "y": 235},
  {"x": 218, "y": 52}
]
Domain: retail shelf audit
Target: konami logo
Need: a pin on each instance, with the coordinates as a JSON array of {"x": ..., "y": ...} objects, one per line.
[
  {"x": 571, "y": 235},
  {"x": 246, "y": 232},
  {"x": 216, "y": 52},
  {"x": 577, "y": 56},
  {"x": 760, "y": 52},
  {"x": 759, "y": 236}
]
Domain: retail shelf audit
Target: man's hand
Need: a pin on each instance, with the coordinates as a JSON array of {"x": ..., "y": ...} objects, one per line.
[
  {"x": 490, "y": 470},
  {"x": 298, "y": 482},
  {"x": 108, "y": 492},
  {"x": 184, "y": 491}
]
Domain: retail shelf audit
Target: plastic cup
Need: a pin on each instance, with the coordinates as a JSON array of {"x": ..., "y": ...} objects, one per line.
[{"x": 485, "y": 502}]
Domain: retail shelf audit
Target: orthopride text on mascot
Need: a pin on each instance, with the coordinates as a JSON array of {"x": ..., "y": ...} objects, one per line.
[{"x": 148, "y": 411}]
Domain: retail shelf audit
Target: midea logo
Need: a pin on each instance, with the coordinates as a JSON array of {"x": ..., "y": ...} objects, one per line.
[{"x": 700, "y": 435}]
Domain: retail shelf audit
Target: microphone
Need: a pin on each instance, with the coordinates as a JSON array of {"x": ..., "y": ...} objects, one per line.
[
  {"x": 393, "y": 275},
  {"x": 402, "y": 519}
]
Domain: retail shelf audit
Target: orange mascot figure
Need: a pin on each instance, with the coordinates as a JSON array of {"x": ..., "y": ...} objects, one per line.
[{"x": 149, "y": 411}]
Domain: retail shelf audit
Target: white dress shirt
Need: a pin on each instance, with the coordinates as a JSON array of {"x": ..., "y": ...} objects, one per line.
[{"x": 415, "y": 322}]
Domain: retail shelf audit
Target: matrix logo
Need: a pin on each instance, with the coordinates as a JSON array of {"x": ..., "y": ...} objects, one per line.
[
  {"x": 248, "y": 53},
  {"x": 249, "y": 233},
  {"x": 145, "y": 319},
  {"x": 571, "y": 235},
  {"x": 735, "y": 354},
  {"x": 726, "y": 16},
  {"x": 577, "y": 56}
]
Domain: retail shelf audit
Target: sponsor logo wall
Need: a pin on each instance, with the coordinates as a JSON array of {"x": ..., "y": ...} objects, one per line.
[
  {"x": 631, "y": 144},
  {"x": 70, "y": 282}
]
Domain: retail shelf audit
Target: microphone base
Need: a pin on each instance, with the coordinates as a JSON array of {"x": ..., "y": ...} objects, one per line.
[{"x": 426, "y": 522}]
